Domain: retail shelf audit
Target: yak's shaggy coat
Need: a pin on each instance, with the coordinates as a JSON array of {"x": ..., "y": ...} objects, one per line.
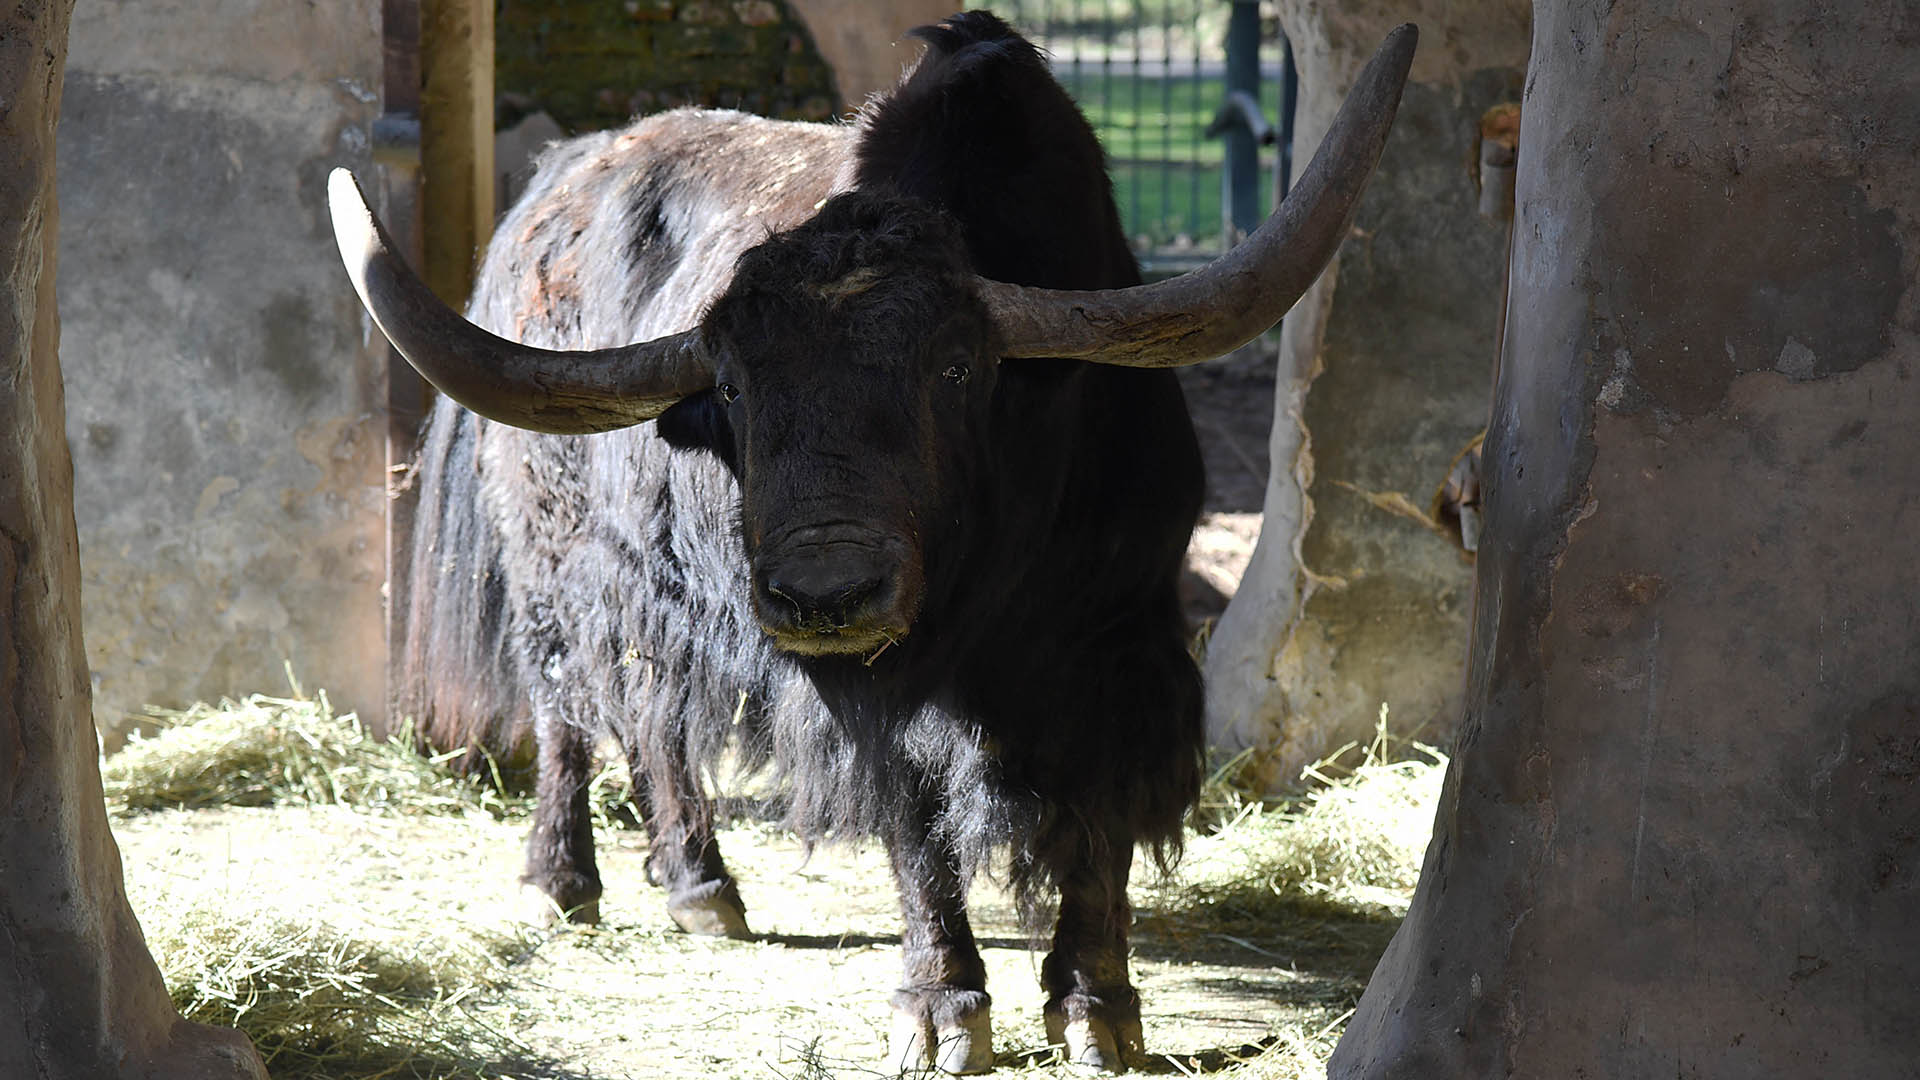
[{"x": 1043, "y": 700}]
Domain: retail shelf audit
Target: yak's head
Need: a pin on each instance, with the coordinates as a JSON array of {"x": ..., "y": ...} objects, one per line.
[
  {"x": 844, "y": 374},
  {"x": 852, "y": 370}
]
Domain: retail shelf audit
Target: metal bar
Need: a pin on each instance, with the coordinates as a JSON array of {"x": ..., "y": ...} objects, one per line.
[
  {"x": 1289, "y": 99},
  {"x": 1166, "y": 116},
  {"x": 1193, "y": 149},
  {"x": 1134, "y": 223},
  {"x": 1073, "y": 36},
  {"x": 1106, "y": 66},
  {"x": 1240, "y": 178}
]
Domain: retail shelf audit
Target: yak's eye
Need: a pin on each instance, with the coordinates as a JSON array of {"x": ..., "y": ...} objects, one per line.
[
  {"x": 728, "y": 392},
  {"x": 956, "y": 373}
]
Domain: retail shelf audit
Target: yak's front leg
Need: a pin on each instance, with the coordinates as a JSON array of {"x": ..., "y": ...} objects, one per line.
[
  {"x": 1092, "y": 1008},
  {"x": 941, "y": 1011},
  {"x": 561, "y": 880},
  {"x": 683, "y": 856}
]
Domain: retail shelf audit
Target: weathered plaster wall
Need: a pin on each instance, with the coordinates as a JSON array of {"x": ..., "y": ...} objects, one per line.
[
  {"x": 1383, "y": 375},
  {"x": 221, "y": 391}
]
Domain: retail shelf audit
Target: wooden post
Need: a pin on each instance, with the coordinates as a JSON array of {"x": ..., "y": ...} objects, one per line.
[
  {"x": 456, "y": 140},
  {"x": 435, "y": 145}
]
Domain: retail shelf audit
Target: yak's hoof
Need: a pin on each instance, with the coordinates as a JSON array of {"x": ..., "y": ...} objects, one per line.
[
  {"x": 712, "y": 910},
  {"x": 962, "y": 1048},
  {"x": 1092, "y": 1043},
  {"x": 542, "y": 910}
]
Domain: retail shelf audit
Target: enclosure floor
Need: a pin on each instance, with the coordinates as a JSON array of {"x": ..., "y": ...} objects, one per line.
[{"x": 808, "y": 997}]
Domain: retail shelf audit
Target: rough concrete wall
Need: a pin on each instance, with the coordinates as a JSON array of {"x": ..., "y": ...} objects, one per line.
[
  {"x": 1681, "y": 831},
  {"x": 221, "y": 394},
  {"x": 1348, "y": 601},
  {"x": 593, "y": 64},
  {"x": 80, "y": 999},
  {"x": 865, "y": 42}
]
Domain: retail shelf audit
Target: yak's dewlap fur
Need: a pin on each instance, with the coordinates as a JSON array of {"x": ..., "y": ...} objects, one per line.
[{"x": 1043, "y": 699}]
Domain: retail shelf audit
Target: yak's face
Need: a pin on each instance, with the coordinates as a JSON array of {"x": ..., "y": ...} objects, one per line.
[{"x": 854, "y": 370}]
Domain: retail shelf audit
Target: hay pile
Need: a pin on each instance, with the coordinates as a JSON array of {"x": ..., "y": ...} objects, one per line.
[
  {"x": 320, "y": 994},
  {"x": 1354, "y": 841},
  {"x": 320, "y": 999},
  {"x": 268, "y": 751}
]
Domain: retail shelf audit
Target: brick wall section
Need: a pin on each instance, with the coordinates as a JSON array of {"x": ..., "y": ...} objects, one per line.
[{"x": 596, "y": 63}]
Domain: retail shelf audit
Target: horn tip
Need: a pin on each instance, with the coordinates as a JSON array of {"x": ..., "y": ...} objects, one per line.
[
  {"x": 353, "y": 225},
  {"x": 1401, "y": 41},
  {"x": 343, "y": 191}
]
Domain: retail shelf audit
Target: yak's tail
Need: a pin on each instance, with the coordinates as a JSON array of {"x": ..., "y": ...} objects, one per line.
[{"x": 458, "y": 681}]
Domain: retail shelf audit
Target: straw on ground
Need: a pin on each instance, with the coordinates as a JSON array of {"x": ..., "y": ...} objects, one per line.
[{"x": 404, "y": 969}]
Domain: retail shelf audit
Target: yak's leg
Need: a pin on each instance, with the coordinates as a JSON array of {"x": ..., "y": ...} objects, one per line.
[
  {"x": 941, "y": 1011},
  {"x": 683, "y": 857},
  {"x": 561, "y": 879},
  {"x": 1092, "y": 1008}
]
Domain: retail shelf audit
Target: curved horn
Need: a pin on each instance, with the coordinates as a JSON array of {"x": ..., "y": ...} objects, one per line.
[
  {"x": 1233, "y": 299},
  {"x": 565, "y": 393}
]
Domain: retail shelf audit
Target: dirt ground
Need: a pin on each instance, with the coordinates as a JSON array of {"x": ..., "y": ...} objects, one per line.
[{"x": 807, "y": 997}]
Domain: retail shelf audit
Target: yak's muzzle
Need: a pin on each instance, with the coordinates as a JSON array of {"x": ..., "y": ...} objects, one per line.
[{"x": 840, "y": 597}]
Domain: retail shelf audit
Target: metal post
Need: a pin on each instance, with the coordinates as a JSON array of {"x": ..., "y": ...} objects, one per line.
[
  {"x": 1241, "y": 177},
  {"x": 1289, "y": 99}
]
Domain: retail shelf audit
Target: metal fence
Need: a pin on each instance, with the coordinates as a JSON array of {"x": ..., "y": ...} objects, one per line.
[{"x": 1156, "y": 78}]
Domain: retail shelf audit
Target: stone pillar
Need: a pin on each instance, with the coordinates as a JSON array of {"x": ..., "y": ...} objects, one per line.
[
  {"x": 865, "y": 43},
  {"x": 1351, "y": 600},
  {"x": 1681, "y": 831},
  {"x": 80, "y": 999}
]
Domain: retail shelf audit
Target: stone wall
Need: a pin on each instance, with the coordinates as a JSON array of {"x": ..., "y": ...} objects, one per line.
[
  {"x": 596, "y": 63},
  {"x": 221, "y": 388}
]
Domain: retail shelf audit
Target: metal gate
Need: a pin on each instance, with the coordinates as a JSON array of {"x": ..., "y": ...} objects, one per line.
[{"x": 1193, "y": 100}]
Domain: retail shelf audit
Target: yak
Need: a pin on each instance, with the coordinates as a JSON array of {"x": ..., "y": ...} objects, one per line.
[{"x": 907, "y": 522}]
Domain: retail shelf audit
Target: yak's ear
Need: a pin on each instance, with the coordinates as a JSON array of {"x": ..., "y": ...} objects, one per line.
[{"x": 698, "y": 422}]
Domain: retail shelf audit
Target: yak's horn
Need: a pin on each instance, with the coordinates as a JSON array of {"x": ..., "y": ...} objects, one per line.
[
  {"x": 1236, "y": 297},
  {"x": 566, "y": 393}
]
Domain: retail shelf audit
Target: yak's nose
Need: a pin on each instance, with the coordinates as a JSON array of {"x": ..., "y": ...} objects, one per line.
[
  {"x": 822, "y": 602},
  {"x": 822, "y": 589},
  {"x": 839, "y": 596}
]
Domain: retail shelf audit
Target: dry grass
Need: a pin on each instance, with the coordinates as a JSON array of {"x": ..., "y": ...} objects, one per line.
[
  {"x": 316, "y": 996},
  {"x": 404, "y": 971},
  {"x": 1316, "y": 882},
  {"x": 268, "y": 751},
  {"x": 1353, "y": 841}
]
